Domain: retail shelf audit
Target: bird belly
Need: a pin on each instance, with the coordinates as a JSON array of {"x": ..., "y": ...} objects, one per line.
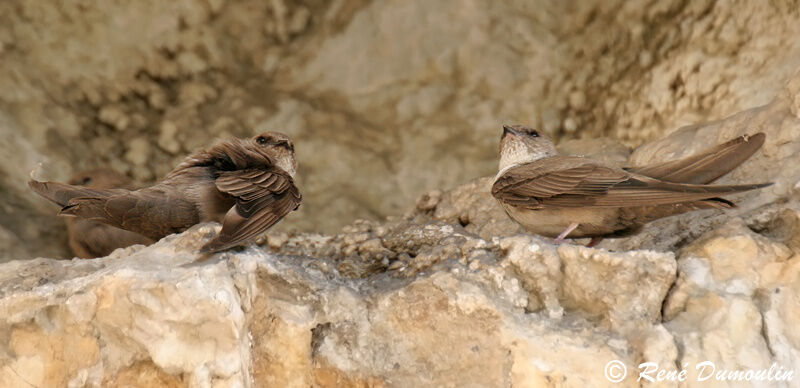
[
  {"x": 551, "y": 222},
  {"x": 214, "y": 204}
]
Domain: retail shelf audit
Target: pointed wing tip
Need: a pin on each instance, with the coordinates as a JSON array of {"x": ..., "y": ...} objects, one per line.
[
  {"x": 210, "y": 247},
  {"x": 35, "y": 170},
  {"x": 35, "y": 184},
  {"x": 44, "y": 190},
  {"x": 758, "y": 138},
  {"x": 206, "y": 249},
  {"x": 756, "y": 186},
  {"x": 216, "y": 246}
]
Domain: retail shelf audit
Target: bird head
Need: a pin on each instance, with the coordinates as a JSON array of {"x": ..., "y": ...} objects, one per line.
[
  {"x": 520, "y": 144},
  {"x": 277, "y": 147}
]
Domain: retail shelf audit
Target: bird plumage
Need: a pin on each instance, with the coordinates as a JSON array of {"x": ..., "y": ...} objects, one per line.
[
  {"x": 246, "y": 184},
  {"x": 548, "y": 193}
]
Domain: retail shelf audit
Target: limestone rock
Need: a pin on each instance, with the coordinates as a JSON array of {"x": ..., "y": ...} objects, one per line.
[
  {"x": 459, "y": 309},
  {"x": 157, "y": 314},
  {"x": 731, "y": 298}
]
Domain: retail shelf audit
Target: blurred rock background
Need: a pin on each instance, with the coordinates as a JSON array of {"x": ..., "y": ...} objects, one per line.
[{"x": 385, "y": 99}]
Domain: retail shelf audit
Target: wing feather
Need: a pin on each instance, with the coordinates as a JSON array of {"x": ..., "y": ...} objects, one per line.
[
  {"x": 708, "y": 165},
  {"x": 577, "y": 182},
  {"x": 263, "y": 197}
]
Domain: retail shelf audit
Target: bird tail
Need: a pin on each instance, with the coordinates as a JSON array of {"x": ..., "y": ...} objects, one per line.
[
  {"x": 61, "y": 194},
  {"x": 85, "y": 207},
  {"x": 649, "y": 213},
  {"x": 723, "y": 189},
  {"x": 703, "y": 193},
  {"x": 640, "y": 192},
  {"x": 77, "y": 201},
  {"x": 714, "y": 203},
  {"x": 708, "y": 165}
]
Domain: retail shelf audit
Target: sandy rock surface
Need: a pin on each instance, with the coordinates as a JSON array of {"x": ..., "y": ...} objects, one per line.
[
  {"x": 452, "y": 293},
  {"x": 385, "y": 99},
  {"x": 515, "y": 311},
  {"x": 402, "y": 303}
]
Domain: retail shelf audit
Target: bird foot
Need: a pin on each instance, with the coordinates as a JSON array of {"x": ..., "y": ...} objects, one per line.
[
  {"x": 595, "y": 241},
  {"x": 565, "y": 233}
]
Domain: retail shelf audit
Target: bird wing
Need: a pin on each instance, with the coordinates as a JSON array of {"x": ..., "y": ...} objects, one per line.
[
  {"x": 708, "y": 165},
  {"x": 61, "y": 194},
  {"x": 531, "y": 185},
  {"x": 563, "y": 181},
  {"x": 263, "y": 197}
]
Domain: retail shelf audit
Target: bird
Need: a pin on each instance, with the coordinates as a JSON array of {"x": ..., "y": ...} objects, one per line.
[
  {"x": 90, "y": 239},
  {"x": 247, "y": 185},
  {"x": 557, "y": 196}
]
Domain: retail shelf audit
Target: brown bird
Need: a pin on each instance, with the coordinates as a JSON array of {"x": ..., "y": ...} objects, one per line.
[
  {"x": 89, "y": 239},
  {"x": 556, "y": 196},
  {"x": 246, "y": 184}
]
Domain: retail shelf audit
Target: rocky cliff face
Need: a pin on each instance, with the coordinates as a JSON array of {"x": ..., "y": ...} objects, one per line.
[
  {"x": 449, "y": 294},
  {"x": 385, "y": 99}
]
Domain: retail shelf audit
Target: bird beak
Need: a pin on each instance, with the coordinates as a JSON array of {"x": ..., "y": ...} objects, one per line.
[{"x": 507, "y": 130}]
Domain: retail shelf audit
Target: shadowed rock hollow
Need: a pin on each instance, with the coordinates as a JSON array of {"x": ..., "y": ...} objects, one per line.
[{"x": 449, "y": 292}]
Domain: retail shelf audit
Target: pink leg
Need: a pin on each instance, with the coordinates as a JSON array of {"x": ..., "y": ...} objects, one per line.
[
  {"x": 595, "y": 241},
  {"x": 565, "y": 233}
]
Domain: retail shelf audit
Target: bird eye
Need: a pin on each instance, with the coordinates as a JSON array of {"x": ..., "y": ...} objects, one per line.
[
  {"x": 261, "y": 140},
  {"x": 533, "y": 133},
  {"x": 86, "y": 180},
  {"x": 286, "y": 144}
]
